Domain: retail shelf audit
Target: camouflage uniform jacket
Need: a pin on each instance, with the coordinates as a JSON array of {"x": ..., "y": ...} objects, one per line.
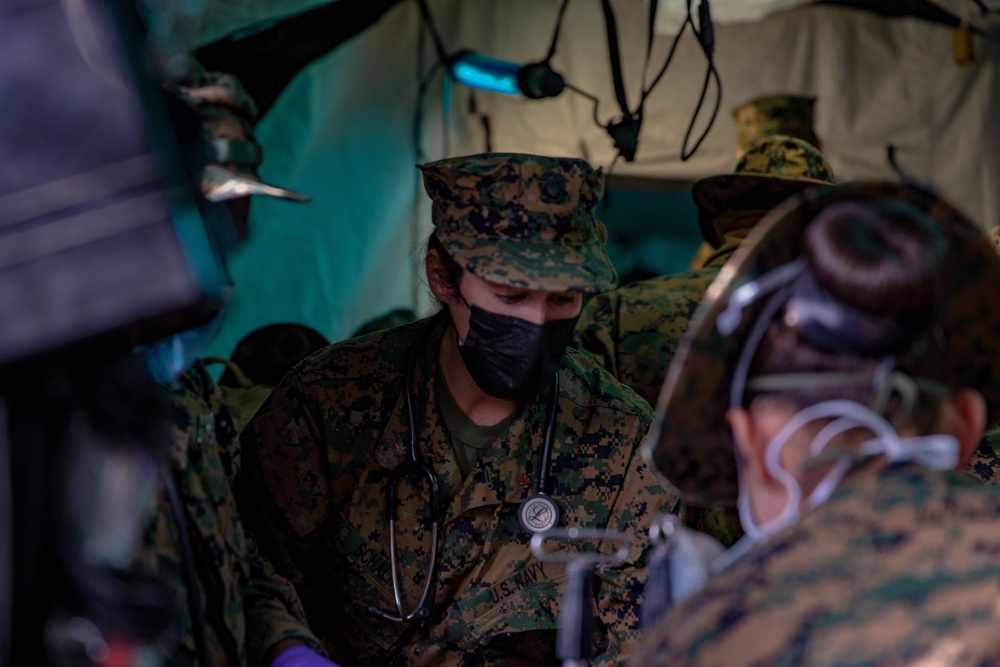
[
  {"x": 318, "y": 456},
  {"x": 634, "y": 331},
  {"x": 204, "y": 457},
  {"x": 985, "y": 462},
  {"x": 899, "y": 567}
]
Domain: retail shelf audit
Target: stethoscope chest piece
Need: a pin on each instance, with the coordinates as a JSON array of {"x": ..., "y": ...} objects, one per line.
[{"x": 538, "y": 513}]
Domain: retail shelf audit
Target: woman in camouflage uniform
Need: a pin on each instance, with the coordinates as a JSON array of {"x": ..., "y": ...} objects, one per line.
[
  {"x": 852, "y": 346},
  {"x": 515, "y": 247}
]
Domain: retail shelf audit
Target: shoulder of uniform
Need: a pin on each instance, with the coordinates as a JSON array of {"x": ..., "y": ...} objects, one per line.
[
  {"x": 985, "y": 463},
  {"x": 664, "y": 289},
  {"x": 659, "y": 292},
  {"x": 586, "y": 383},
  {"x": 379, "y": 352}
]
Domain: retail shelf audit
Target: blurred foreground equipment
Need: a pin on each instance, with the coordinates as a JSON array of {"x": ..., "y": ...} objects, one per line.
[
  {"x": 101, "y": 226},
  {"x": 100, "y": 223}
]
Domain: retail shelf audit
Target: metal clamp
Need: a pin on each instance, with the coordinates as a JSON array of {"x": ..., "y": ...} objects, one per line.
[
  {"x": 575, "y": 637},
  {"x": 579, "y": 535}
]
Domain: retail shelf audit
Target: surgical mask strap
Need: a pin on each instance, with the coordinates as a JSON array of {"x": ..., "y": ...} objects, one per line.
[
  {"x": 773, "y": 466},
  {"x": 776, "y": 281},
  {"x": 745, "y": 295},
  {"x": 937, "y": 452}
]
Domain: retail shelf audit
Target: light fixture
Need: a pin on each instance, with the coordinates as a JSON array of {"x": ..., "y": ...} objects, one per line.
[{"x": 534, "y": 80}]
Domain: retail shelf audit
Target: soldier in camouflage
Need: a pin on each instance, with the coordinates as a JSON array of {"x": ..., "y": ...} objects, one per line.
[
  {"x": 471, "y": 391},
  {"x": 761, "y": 117},
  {"x": 767, "y": 115},
  {"x": 634, "y": 330},
  {"x": 850, "y": 354},
  {"x": 203, "y": 456}
]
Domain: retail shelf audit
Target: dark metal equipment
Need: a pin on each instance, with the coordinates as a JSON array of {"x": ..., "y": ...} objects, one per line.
[
  {"x": 575, "y": 636},
  {"x": 101, "y": 226}
]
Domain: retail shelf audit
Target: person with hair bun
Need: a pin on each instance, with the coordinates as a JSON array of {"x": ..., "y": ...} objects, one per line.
[{"x": 836, "y": 379}]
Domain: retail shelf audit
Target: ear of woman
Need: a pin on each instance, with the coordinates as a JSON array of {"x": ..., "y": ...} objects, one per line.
[
  {"x": 964, "y": 416},
  {"x": 752, "y": 430},
  {"x": 439, "y": 278}
]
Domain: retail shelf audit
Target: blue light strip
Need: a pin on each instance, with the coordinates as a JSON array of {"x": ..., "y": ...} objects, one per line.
[{"x": 476, "y": 71}]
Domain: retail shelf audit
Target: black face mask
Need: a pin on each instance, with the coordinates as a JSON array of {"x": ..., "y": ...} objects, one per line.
[{"x": 511, "y": 358}]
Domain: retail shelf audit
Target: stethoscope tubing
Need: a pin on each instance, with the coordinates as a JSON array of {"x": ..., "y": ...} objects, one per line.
[{"x": 414, "y": 464}]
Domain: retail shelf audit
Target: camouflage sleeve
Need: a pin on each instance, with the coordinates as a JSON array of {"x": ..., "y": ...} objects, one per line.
[
  {"x": 985, "y": 463},
  {"x": 596, "y": 331},
  {"x": 273, "y": 610},
  {"x": 281, "y": 459},
  {"x": 619, "y": 597}
]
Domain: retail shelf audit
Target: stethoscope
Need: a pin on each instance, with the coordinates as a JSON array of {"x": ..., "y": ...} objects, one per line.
[{"x": 537, "y": 513}]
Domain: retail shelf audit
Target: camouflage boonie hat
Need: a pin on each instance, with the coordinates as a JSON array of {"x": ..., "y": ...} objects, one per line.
[
  {"x": 226, "y": 112},
  {"x": 522, "y": 220},
  {"x": 774, "y": 169},
  {"x": 691, "y": 444},
  {"x": 768, "y": 115}
]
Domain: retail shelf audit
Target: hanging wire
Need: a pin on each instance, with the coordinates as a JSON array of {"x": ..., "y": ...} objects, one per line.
[
  {"x": 592, "y": 98},
  {"x": 706, "y": 39},
  {"x": 631, "y": 120},
  {"x": 427, "y": 23},
  {"x": 669, "y": 58},
  {"x": 983, "y": 9},
  {"x": 555, "y": 34},
  {"x": 709, "y": 74},
  {"x": 418, "y": 114},
  {"x": 435, "y": 35}
]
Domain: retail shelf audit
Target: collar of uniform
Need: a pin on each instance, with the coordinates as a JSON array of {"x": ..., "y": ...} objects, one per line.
[
  {"x": 496, "y": 478},
  {"x": 730, "y": 241},
  {"x": 506, "y": 469}
]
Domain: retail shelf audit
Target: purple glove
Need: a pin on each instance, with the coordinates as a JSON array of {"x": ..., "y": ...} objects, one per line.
[{"x": 301, "y": 656}]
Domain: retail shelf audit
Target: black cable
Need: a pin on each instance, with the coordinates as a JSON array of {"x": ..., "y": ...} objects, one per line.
[
  {"x": 983, "y": 9},
  {"x": 709, "y": 73},
  {"x": 435, "y": 35},
  {"x": 418, "y": 114},
  {"x": 592, "y": 98},
  {"x": 706, "y": 39},
  {"x": 615, "y": 56},
  {"x": 488, "y": 132},
  {"x": 187, "y": 567},
  {"x": 555, "y": 35},
  {"x": 550, "y": 429},
  {"x": 670, "y": 57},
  {"x": 442, "y": 62},
  {"x": 650, "y": 37},
  {"x": 484, "y": 120}
]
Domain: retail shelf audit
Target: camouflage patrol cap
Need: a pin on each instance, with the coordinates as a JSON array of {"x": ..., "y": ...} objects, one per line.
[
  {"x": 768, "y": 115},
  {"x": 522, "y": 220},
  {"x": 773, "y": 169},
  {"x": 691, "y": 444},
  {"x": 226, "y": 112}
]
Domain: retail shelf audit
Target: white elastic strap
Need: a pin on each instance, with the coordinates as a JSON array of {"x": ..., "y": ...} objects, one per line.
[
  {"x": 729, "y": 319},
  {"x": 937, "y": 452}
]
